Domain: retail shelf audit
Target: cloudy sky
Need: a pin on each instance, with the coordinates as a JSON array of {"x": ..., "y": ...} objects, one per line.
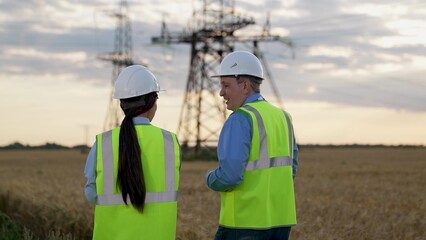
[{"x": 357, "y": 76}]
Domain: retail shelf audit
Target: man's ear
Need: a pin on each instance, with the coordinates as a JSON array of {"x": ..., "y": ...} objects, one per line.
[{"x": 247, "y": 85}]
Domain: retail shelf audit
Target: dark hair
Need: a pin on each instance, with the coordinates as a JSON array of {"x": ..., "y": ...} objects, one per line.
[{"x": 130, "y": 177}]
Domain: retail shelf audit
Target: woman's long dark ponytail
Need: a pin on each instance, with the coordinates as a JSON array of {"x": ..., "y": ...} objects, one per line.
[{"x": 130, "y": 177}]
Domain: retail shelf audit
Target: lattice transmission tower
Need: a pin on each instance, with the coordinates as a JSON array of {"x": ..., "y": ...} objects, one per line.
[
  {"x": 121, "y": 57},
  {"x": 211, "y": 37}
]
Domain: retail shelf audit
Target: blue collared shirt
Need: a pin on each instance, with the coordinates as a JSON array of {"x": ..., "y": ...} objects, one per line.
[
  {"x": 90, "y": 169},
  {"x": 236, "y": 134}
]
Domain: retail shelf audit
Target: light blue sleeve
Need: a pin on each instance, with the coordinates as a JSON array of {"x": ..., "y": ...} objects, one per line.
[
  {"x": 295, "y": 158},
  {"x": 90, "y": 173},
  {"x": 233, "y": 152}
]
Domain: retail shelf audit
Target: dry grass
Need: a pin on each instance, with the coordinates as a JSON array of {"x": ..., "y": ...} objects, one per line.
[
  {"x": 43, "y": 190},
  {"x": 362, "y": 194},
  {"x": 375, "y": 193}
]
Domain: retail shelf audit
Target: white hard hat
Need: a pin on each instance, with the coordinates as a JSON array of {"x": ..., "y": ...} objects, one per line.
[
  {"x": 240, "y": 63},
  {"x": 133, "y": 81}
]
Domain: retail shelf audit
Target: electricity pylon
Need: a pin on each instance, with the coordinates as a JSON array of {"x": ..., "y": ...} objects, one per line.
[
  {"x": 121, "y": 57},
  {"x": 211, "y": 38}
]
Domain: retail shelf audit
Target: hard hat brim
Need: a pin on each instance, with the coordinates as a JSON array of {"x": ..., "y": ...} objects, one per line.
[
  {"x": 224, "y": 75},
  {"x": 234, "y": 75},
  {"x": 125, "y": 97}
]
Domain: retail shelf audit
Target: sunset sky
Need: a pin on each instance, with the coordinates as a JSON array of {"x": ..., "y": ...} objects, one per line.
[{"x": 357, "y": 76}]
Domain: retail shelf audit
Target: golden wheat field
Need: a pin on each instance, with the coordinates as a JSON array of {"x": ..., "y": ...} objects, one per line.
[{"x": 342, "y": 193}]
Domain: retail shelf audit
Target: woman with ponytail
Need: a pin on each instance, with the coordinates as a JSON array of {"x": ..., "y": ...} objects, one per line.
[{"x": 132, "y": 171}]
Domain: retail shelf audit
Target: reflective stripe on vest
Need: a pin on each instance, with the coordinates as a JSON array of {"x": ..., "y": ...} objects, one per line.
[
  {"x": 109, "y": 198},
  {"x": 264, "y": 161},
  {"x": 151, "y": 197}
]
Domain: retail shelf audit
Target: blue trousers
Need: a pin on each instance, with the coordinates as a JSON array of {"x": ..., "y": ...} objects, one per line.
[{"x": 279, "y": 233}]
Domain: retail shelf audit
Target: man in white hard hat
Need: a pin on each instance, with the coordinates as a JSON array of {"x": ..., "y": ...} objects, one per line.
[
  {"x": 257, "y": 156},
  {"x": 132, "y": 170}
]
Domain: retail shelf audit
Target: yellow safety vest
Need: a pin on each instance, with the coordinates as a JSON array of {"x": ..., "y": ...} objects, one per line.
[
  {"x": 265, "y": 199},
  {"x": 160, "y": 153}
]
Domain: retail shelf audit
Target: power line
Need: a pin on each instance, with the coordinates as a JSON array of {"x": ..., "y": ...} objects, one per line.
[{"x": 316, "y": 21}]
